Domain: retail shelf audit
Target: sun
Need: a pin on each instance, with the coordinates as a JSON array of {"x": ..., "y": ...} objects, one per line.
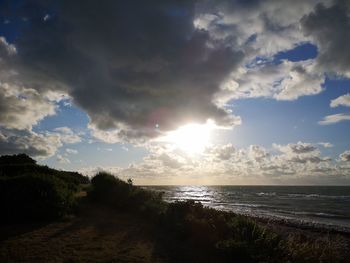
[{"x": 191, "y": 138}]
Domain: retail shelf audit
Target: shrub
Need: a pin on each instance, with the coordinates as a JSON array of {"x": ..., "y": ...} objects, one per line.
[
  {"x": 109, "y": 190},
  {"x": 21, "y": 164},
  {"x": 34, "y": 198},
  {"x": 250, "y": 242},
  {"x": 223, "y": 236},
  {"x": 16, "y": 159}
]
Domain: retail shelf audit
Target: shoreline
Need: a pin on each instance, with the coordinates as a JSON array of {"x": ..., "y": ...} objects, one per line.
[
  {"x": 303, "y": 224},
  {"x": 296, "y": 223},
  {"x": 288, "y": 209},
  {"x": 300, "y": 225}
]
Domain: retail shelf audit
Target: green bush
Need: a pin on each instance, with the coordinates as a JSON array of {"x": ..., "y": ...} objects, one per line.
[
  {"x": 21, "y": 164},
  {"x": 34, "y": 198},
  {"x": 250, "y": 242},
  {"x": 224, "y": 237},
  {"x": 109, "y": 190}
]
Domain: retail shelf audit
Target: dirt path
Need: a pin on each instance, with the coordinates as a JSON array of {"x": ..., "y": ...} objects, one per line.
[{"x": 96, "y": 235}]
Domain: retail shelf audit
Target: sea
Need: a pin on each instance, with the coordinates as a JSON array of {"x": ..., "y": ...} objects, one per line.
[{"x": 320, "y": 206}]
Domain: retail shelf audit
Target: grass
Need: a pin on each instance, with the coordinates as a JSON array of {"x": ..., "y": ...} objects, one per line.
[{"x": 95, "y": 234}]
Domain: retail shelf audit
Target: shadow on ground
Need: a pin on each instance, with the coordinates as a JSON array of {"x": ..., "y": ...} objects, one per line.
[{"x": 96, "y": 234}]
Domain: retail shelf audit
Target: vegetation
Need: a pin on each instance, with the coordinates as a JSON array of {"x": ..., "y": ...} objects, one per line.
[
  {"x": 109, "y": 190},
  {"x": 31, "y": 192},
  {"x": 34, "y": 198},
  {"x": 198, "y": 234},
  {"x": 177, "y": 232},
  {"x": 22, "y": 164}
]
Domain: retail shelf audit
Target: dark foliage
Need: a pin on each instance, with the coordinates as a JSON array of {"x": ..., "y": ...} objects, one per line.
[
  {"x": 194, "y": 233},
  {"x": 34, "y": 198},
  {"x": 224, "y": 237},
  {"x": 21, "y": 164},
  {"x": 32, "y": 192},
  {"x": 16, "y": 159},
  {"x": 109, "y": 190}
]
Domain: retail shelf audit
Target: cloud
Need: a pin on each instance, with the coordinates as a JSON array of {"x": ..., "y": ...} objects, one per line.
[
  {"x": 296, "y": 162},
  {"x": 22, "y": 108},
  {"x": 167, "y": 160},
  {"x": 345, "y": 156},
  {"x": 343, "y": 100},
  {"x": 326, "y": 144},
  {"x": 6, "y": 49},
  {"x": 71, "y": 151},
  {"x": 257, "y": 153},
  {"x": 331, "y": 119},
  {"x": 62, "y": 159},
  {"x": 166, "y": 72},
  {"x": 221, "y": 152},
  {"x": 301, "y": 81},
  {"x": 309, "y": 159},
  {"x": 296, "y": 148},
  {"x": 142, "y": 70},
  {"x": 262, "y": 27},
  {"x": 34, "y": 144},
  {"x": 285, "y": 81},
  {"x": 329, "y": 27},
  {"x": 67, "y": 135}
]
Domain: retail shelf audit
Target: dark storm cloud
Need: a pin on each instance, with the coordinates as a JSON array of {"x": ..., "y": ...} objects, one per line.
[
  {"x": 128, "y": 64},
  {"x": 31, "y": 143},
  {"x": 330, "y": 28}
]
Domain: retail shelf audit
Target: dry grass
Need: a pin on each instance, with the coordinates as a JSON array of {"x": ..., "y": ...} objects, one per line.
[{"x": 96, "y": 235}]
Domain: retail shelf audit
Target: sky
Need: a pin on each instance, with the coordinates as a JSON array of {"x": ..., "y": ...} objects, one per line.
[{"x": 179, "y": 92}]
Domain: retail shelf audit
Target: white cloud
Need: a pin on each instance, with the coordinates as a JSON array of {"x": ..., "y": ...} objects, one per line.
[
  {"x": 326, "y": 144},
  {"x": 257, "y": 153},
  {"x": 221, "y": 152},
  {"x": 343, "y": 100},
  {"x": 273, "y": 25},
  {"x": 285, "y": 81},
  {"x": 67, "y": 135},
  {"x": 225, "y": 164},
  {"x": 71, "y": 151},
  {"x": 6, "y": 48},
  {"x": 295, "y": 148},
  {"x": 63, "y": 160},
  {"x": 22, "y": 108},
  {"x": 331, "y": 119}
]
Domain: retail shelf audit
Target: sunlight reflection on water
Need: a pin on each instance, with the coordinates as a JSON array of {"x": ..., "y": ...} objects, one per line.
[{"x": 323, "y": 205}]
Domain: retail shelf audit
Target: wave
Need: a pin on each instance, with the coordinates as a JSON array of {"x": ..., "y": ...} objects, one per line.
[
  {"x": 319, "y": 196},
  {"x": 266, "y": 194}
]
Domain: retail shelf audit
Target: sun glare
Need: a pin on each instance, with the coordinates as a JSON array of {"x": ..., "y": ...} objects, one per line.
[{"x": 191, "y": 138}]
